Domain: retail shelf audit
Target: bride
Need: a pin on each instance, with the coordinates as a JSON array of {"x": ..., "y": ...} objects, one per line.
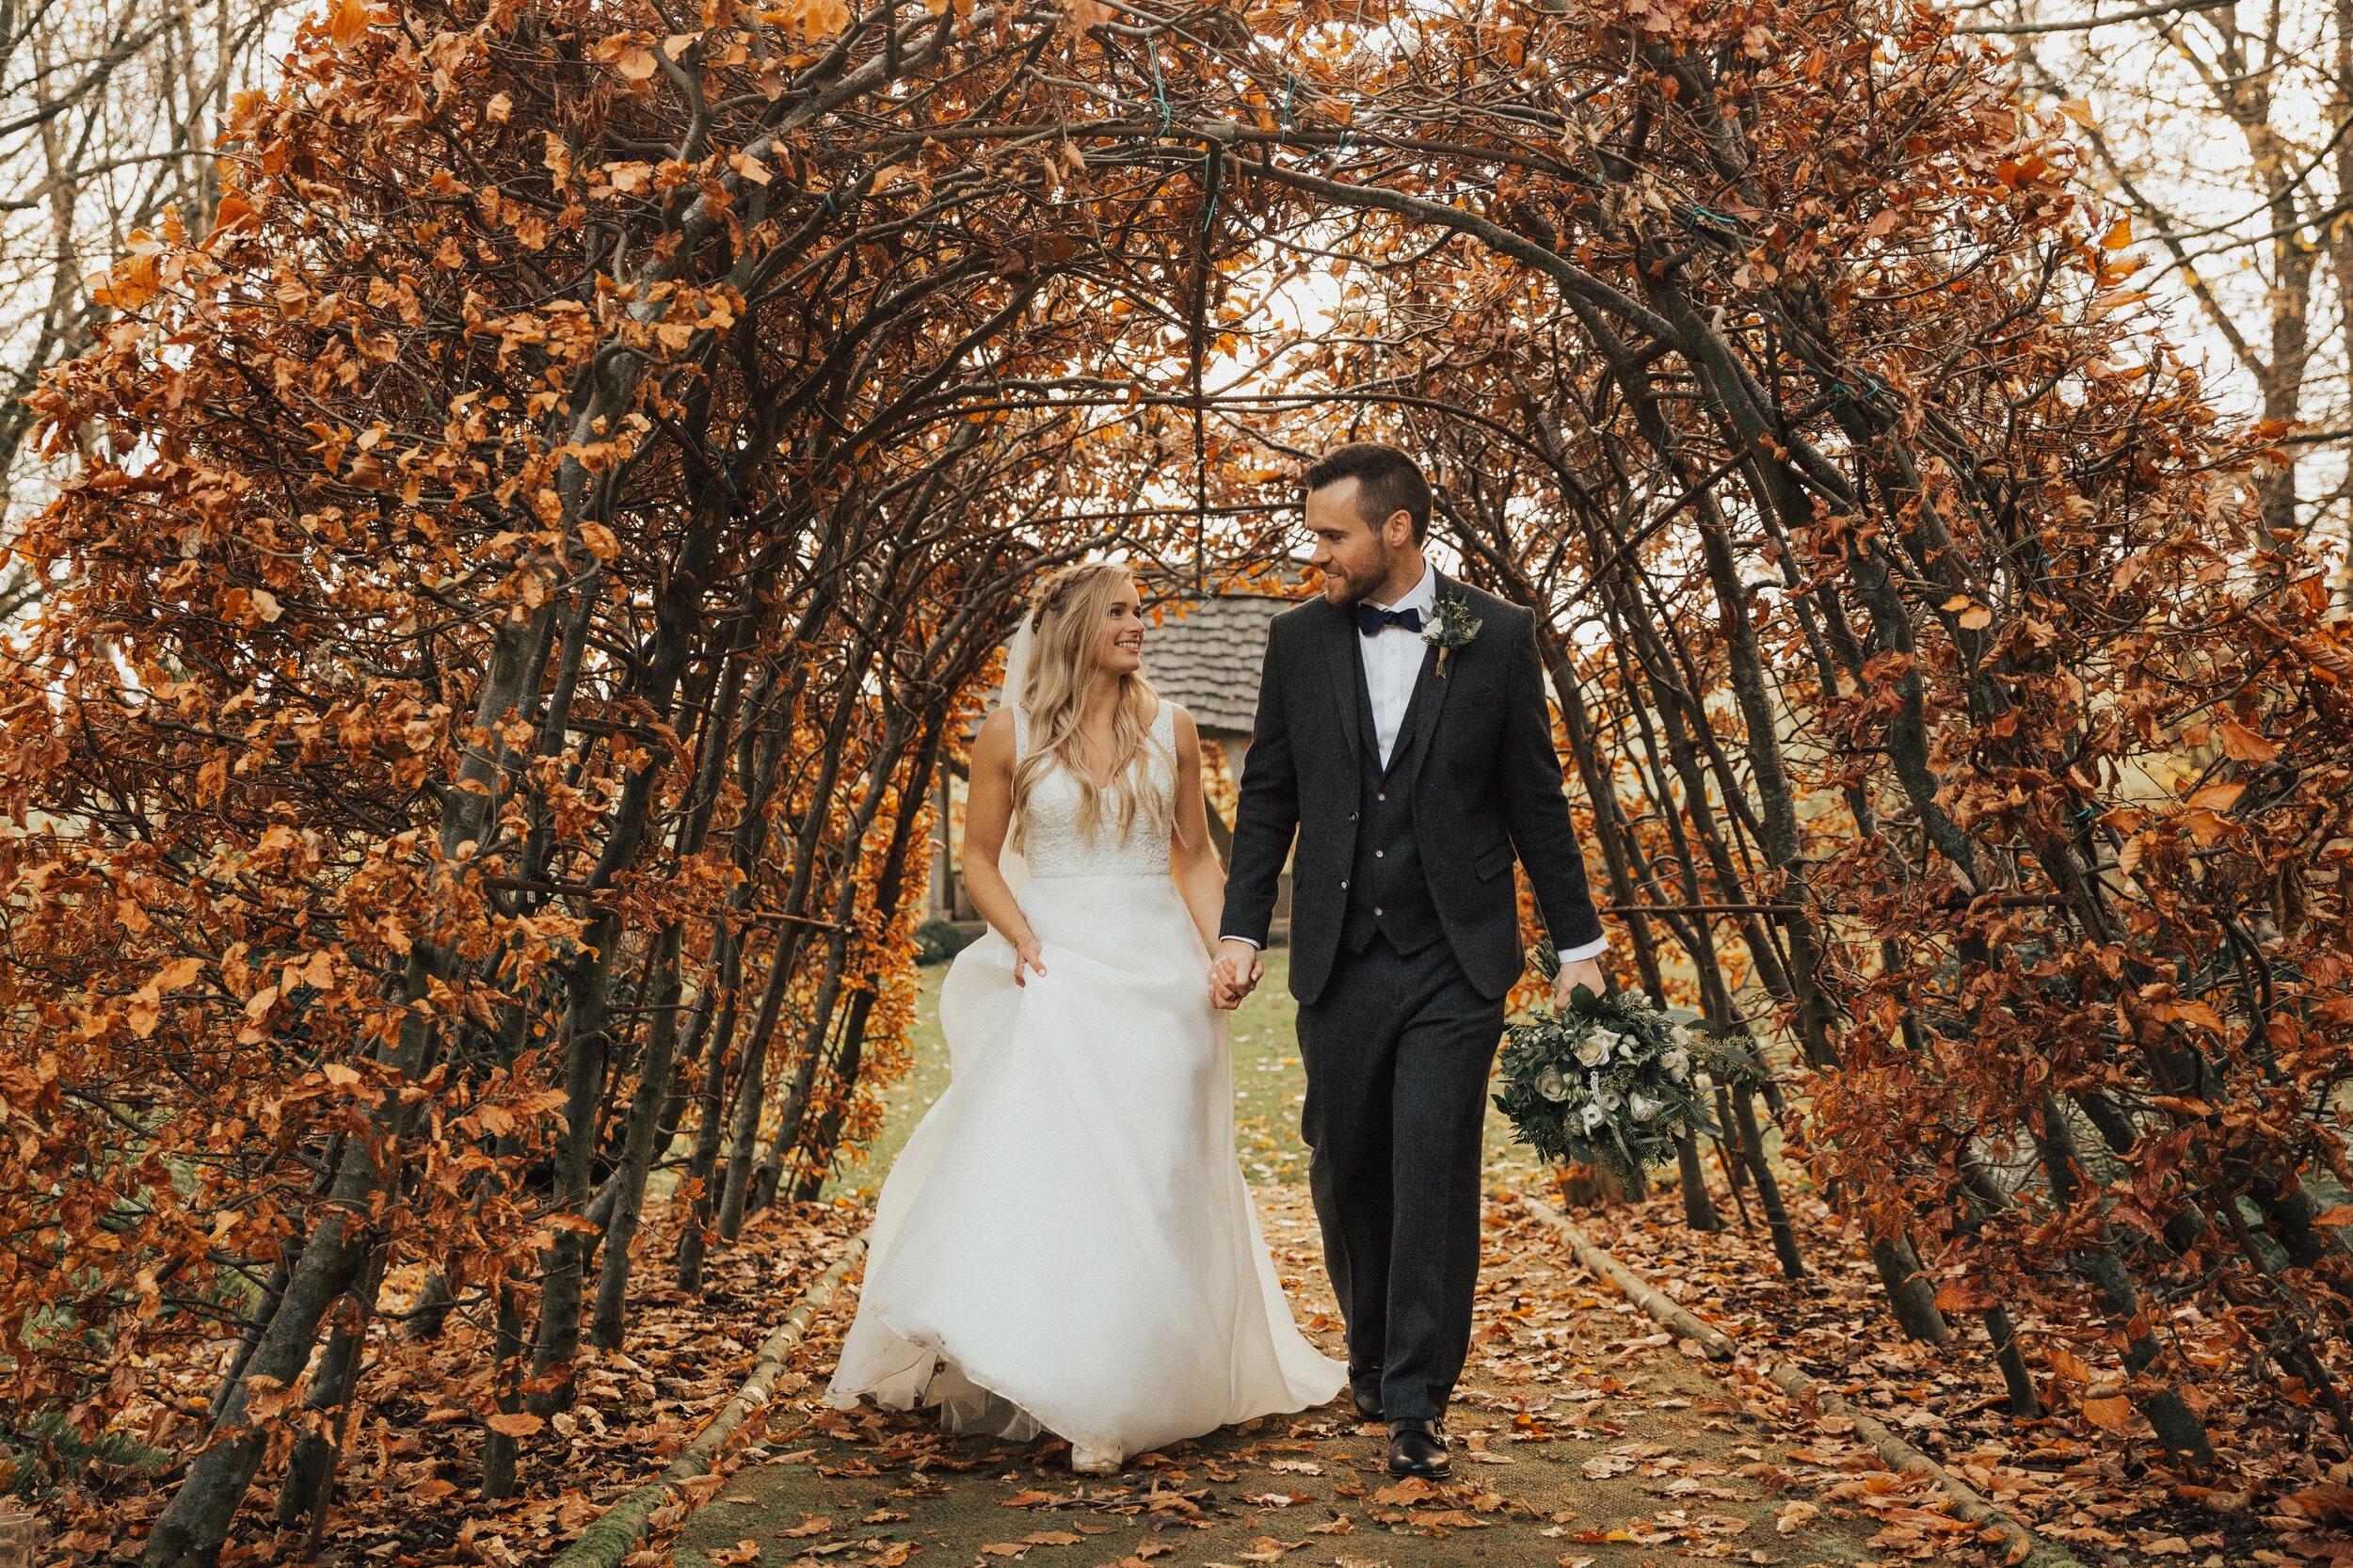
[{"x": 1066, "y": 1244}]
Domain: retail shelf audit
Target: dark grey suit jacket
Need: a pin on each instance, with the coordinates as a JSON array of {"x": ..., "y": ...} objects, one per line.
[{"x": 1486, "y": 782}]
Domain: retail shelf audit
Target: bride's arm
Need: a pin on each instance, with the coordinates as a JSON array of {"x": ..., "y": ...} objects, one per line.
[
  {"x": 987, "y": 817},
  {"x": 1193, "y": 859}
]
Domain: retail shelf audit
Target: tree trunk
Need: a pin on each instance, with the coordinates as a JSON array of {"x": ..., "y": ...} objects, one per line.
[
  {"x": 498, "y": 1447},
  {"x": 264, "y": 1310},
  {"x": 702, "y": 1164},
  {"x": 2024, "y": 1403},
  {"x": 310, "y": 1471},
  {"x": 2176, "y": 1425},
  {"x": 751, "y": 1094},
  {"x": 1699, "y": 1209},
  {"x": 193, "y": 1526},
  {"x": 638, "y": 1151},
  {"x": 434, "y": 1303},
  {"x": 1910, "y": 1295},
  {"x": 1768, "y": 1189}
]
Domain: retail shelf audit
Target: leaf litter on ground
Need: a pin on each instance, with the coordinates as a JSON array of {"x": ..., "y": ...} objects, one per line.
[
  {"x": 407, "y": 1491},
  {"x": 2085, "y": 1476}
]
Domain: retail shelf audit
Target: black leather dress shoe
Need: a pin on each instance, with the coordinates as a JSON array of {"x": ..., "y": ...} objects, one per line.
[
  {"x": 1415, "y": 1449},
  {"x": 1367, "y": 1397}
]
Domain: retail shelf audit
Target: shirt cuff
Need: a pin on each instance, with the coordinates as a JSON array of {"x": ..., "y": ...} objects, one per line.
[
  {"x": 1594, "y": 949},
  {"x": 1261, "y": 946}
]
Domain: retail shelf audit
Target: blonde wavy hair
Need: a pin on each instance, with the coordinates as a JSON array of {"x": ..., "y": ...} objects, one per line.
[{"x": 1067, "y": 614}]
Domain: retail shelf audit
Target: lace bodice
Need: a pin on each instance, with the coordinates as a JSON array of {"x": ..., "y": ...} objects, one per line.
[{"x": 1051, "y": 843}]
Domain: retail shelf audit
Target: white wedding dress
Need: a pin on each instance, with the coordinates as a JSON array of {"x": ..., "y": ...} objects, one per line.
[{"x": 1066, "y": 1244}]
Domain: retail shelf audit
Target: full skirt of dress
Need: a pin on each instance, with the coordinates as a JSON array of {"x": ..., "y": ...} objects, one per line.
[{"x": 1066, "y": 1241}]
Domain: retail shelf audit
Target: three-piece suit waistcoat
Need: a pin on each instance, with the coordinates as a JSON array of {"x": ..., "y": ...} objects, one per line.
[{"x": 1389, "y": 890}]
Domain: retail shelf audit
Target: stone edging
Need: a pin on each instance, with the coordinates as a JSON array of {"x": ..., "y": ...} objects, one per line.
[
  {"x": 620, "y": 1530},
  {"x": 2024, "y": 1547}
]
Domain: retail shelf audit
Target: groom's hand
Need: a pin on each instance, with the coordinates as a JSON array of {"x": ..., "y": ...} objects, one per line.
[
  {"x": 1235, "y": 973},
  {"x": 1585, "y": 972}
]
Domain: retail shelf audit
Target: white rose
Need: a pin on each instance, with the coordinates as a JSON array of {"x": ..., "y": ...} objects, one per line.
[
  {"x": 1680, "y": 1036},
  {"x": 1677, "y": 1063},
  {"x": 1608, "y": 1100},
  {"x": 1552, "y": 1085},
  {"x": 1592, "y": 1117},
  {"x": 1594, "y": 1051},
  {"x": 1643, "y": 1106}
]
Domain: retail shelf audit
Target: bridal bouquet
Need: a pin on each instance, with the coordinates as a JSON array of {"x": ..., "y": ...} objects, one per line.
[{"x": 1611, "y": 1080}]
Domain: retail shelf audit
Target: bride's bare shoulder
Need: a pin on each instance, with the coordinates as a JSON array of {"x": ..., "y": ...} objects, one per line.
[{"x": 994, "y": 742}]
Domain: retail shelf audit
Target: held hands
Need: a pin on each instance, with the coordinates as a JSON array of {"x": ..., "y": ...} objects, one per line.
[
  {"x": 1233, "y": 973},
  {"x": 1585, "y": 972}
]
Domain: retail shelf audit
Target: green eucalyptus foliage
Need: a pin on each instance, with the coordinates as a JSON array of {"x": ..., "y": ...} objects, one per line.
[{"x": 1609, "y": 1080}]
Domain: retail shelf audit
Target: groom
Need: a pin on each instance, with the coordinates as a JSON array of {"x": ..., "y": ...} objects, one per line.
[{"x": 1411, "y": 770}]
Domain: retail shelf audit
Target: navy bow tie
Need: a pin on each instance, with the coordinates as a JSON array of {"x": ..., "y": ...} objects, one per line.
[{"x": 1370, "y": 618}]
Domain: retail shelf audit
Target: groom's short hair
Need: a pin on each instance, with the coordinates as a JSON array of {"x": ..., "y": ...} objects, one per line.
[{"x": 1387, "y": 481}]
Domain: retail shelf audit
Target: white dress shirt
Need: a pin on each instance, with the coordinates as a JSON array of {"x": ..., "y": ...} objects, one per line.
[{"x": 1393, "y": 659}]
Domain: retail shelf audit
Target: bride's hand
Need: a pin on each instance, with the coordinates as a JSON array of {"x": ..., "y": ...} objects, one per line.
[
  {"x": 1026, "y": 948},
  {"x": 1233, "y": 974}
]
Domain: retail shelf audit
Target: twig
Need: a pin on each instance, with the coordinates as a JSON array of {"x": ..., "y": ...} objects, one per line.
[
  {"x": 1703, "y": 908},
  {"x": 582, "y": 889},
  {"x": 1956, "y": 901},
  {"x": 2085, "y": 24}
]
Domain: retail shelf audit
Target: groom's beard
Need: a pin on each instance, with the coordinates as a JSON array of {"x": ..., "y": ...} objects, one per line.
[{"x": 1353, "y": 588}]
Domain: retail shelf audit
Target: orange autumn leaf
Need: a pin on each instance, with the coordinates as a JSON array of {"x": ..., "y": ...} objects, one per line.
[
  {"x": 348, "y": 22},
  {"x": 2113, "y": 1411},
  {"x": 2242, "y": 744},
  {"x": 2067, "y": 1364}
]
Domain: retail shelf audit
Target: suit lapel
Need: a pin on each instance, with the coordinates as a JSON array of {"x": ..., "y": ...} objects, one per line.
[
  {"x": 1422, "y": 714},
  {"x": 1347, "y": 681},
  {"x": 1367, "y": 726}
]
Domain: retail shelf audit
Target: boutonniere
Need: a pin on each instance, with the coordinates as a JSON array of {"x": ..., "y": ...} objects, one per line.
[{"x": 1450, "y": 626}]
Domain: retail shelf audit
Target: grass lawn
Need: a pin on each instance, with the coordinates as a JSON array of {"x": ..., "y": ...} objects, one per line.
[{"x": 1269, "y": 1088}]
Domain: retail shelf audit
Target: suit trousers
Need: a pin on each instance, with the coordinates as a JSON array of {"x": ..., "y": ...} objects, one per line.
[{"x": 1397, "y": 1047}]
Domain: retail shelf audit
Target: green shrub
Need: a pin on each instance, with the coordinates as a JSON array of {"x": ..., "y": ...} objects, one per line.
[
  {"x": 46, "y": 1449},
  {"x": 937, "y": 941}
]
